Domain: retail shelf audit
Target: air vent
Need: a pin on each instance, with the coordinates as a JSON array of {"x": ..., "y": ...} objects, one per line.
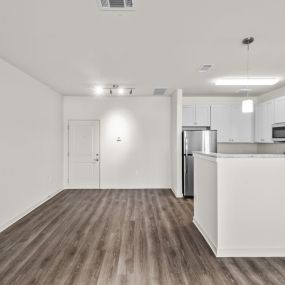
[
  {"x": 116, "y": 4},
  {"x": 159, "y": 91},
  {"x": 205, "y": 67}
]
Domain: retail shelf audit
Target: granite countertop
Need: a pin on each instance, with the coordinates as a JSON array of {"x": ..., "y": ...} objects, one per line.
[{"x": 224, "y": 155}]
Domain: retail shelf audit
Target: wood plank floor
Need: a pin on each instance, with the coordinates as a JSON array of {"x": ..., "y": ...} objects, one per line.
[{"x": 120, "y": 237}]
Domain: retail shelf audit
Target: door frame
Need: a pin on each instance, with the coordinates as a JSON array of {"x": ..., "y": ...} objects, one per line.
[{"x": 68, "y": 151}]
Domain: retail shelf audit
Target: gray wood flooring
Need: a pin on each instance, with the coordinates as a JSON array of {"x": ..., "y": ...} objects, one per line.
[{"x": 120, "y": 237}]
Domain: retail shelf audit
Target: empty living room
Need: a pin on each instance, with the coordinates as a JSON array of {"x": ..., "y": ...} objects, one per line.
[{"x": 142, "y": 142}]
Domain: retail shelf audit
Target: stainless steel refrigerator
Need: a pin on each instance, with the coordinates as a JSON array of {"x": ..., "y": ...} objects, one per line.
[{"x": 195, "y": 140}]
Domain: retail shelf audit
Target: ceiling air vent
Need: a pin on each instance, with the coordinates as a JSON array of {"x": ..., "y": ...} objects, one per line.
[
  {"x": 205, "y": 67},
  {"x": 116, "y": 4},
  {"x": 159, "y": 91}
]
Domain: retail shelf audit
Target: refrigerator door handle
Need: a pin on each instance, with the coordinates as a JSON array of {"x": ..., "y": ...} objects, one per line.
[{"x": 184, "y": 175}]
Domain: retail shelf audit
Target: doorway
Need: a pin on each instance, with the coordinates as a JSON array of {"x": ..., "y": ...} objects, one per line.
[{"x": 84, "y": 154}]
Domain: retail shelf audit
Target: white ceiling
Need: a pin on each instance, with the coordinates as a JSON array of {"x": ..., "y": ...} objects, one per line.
[{"x": 71, "y": 45}]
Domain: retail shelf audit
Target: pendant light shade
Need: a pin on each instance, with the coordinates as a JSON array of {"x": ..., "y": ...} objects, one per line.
[{"x": 247, "y": 106}]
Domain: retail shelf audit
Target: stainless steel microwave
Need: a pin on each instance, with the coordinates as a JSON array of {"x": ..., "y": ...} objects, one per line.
[{"x": 278, "y": 132}]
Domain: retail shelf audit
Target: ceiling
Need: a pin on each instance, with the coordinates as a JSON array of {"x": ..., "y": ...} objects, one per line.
[{"x": 72, "y": 45}]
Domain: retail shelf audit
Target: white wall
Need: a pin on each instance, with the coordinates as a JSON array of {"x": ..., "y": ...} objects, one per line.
[
  {"x": 271, "y": 95},
  {"x": 142, "y": 159},
  {"x": 31, "y": 143},
  {"x": 176, "y": 142}
]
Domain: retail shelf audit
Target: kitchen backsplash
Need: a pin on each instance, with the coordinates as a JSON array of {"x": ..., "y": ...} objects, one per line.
[
  {"x": 237, "y": 148},
  {"x": 271, "y": 148},
  {"x": 251, "y": 148}
]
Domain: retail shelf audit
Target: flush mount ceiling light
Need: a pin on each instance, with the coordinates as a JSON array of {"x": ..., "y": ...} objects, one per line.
[{"x": 251, "y": 81}]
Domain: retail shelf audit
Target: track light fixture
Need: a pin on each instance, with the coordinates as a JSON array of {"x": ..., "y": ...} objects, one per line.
[{"x": 116, "y": 89}]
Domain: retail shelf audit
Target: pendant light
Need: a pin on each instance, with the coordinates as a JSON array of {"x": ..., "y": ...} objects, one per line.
[{"x": 247, "y": 104}]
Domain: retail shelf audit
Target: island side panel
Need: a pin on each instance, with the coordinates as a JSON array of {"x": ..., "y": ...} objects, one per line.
[
  {"x": 205, "y": 199},
  {"x": 251, "y": 200}
]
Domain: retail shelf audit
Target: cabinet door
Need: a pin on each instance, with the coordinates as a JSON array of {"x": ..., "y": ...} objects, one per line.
[
  {"x": 242, "y": 125},
  {"x": 203, "y": 115},
  {"x": 188, "y": 116},
  {"x": 221, "y": 121},
  {"x": 263, "y": 122},
  {"x": 279, "y": 116},
  {"x": 259, "y": 121},
  {"x": 267, "y": 121}
]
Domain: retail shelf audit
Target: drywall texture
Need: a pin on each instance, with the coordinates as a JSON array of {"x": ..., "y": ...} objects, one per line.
[
  {"x": 176, "y": 142},
  {"x": 31, "y": 143},
  {"x": 142, "y": 159}
]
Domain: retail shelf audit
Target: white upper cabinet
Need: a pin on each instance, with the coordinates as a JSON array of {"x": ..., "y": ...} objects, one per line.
[
  {"x": 188, "y": 115},
  {"x": 279, "y": 106},
  {"x": 242, "y": 125},
  {"x": 203, "y": 115},
  {"x": 232, "y": 125},
  {"x": 196, "y": 115},
  {"x": 221, "y": 121},
  {"x": 263, "y": 122}
]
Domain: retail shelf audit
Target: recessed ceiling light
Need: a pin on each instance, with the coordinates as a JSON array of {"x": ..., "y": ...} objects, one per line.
[
  {"x": 121, "y": 91},
  {"x": 254, "y": 81},
  {"x": 99, "y": 90}
]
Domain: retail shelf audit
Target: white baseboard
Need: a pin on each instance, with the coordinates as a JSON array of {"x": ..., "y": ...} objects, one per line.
[
  {"x": 251, "y": 252},
  {"x": 206, "y": 237},
  {"x": 27, "y": 211},
  {"x": 68, "y": 187},
  {"x": 177, "y": 196}
]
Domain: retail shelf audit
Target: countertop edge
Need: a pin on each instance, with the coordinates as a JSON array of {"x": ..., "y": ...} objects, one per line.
[{"x": 222, "y": 155}]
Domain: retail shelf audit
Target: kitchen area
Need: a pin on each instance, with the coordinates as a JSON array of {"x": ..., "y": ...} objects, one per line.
[{"x": 233, "y": 166}]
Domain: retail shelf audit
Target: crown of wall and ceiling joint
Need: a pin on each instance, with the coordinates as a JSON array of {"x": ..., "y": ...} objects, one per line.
[{"x": 126, "y": 5}]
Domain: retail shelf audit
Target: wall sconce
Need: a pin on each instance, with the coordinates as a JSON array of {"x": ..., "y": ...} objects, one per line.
[{"x": 119, "y": 139}]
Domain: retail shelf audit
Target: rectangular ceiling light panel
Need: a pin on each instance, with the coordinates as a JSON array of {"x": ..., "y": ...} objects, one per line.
[{"x": 247, "y": 81}]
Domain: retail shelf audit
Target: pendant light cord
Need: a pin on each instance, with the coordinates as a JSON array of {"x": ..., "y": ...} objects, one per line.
[{"x": 247, "y": 71}]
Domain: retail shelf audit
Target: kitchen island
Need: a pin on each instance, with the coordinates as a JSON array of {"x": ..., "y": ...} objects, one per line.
[{"x": 239, "y": 204}]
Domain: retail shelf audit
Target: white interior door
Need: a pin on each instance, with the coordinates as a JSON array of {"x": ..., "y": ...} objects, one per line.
[{"x": 84, "y": 154}]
